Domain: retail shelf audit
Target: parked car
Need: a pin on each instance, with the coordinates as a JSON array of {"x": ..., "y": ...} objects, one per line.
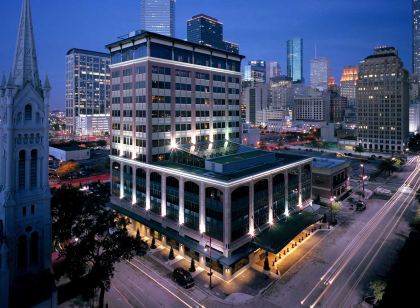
[
  {"x": 183, "y": 278},
  {"x": 360, "y": 206}
]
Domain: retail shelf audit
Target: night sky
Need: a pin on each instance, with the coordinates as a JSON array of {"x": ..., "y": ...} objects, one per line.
[{"x": 345, "y": 31}]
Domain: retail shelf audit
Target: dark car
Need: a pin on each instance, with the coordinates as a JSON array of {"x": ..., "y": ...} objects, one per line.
[
  {"x": 183, "y": 278},
  {"x": 360, "y": 206}
]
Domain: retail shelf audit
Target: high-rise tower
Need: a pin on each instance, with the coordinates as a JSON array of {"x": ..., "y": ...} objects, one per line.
[
  {"x": 295, "y": 59},
  {"x": 320, "y": 71},
  {"x": 25, "y": 214},
  {"x": 158, "y": 16},
  {"x": 416, "y": 37}
]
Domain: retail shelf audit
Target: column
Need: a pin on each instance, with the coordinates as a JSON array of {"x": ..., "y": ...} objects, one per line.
[
  {"x": 227, "y": 219},
  {"x": 147, "y": 189},
  {"x": 286, "y": 193},
  {"x": 251, "y": 208},
  {"x": 202, "y": 210},
  {"x": 121, "y": 181},
  {"x": 181, "y": 200},
  {"x": 300, "y": 187},
  {"x": 270, "y": 200},
  {"x": 134, "y": 195},
  {"x": 163, "y": 195}
]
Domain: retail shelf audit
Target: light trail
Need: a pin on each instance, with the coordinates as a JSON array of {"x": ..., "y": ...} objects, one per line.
[
  {"x": 360, "y": 238},
  {"x": 162, "y": 286}
]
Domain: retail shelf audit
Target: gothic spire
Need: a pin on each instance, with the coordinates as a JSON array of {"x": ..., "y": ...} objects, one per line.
[{"x": 25, "y": 66}]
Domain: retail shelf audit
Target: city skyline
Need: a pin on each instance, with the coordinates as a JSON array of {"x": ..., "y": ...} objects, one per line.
[{"x": 342, "y": 44}]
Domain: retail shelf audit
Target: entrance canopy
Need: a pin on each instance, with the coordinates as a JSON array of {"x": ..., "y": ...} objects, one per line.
[{"x": 283, "y": 232}]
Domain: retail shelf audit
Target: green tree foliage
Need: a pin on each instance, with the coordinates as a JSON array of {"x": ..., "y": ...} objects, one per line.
[
  {"x": 171, "y": 254},
  {"x": 89, "y": 237},
  {"x": 378, "y": 289},
  {"x": 358, "y": 148},
  {"x": 266, "y": 264},
  {"x": 414, "y": 143},
  {"x": 389, "y": 166}
]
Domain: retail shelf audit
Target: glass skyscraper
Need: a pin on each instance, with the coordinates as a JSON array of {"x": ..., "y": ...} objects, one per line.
[
  {"x": 206, "y": 30},
  {"x": 416, "y": 37},
  {"x": 158, "y": 16},
  {"x": 320, "y": 71},
  {"x": 295, "y": 59}
]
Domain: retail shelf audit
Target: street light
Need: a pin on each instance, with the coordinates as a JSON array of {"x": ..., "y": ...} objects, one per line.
[
  {"x": 332, "y": 199},
  {"x": 211, "y": 264},
  {"x": 363, "y": 179}
]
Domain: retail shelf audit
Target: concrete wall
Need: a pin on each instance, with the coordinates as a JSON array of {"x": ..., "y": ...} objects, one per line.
[{"x": 66, "y": 155}]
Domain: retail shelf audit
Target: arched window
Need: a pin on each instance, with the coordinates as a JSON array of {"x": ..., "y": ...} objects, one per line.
[
  {"x": 21, "y": 257},
  {"x": 34, "y": 249},
  {"x": 34, "y": 167},
  {"x": 21, "y": 173},
  {"x": 28, "y": 112}
]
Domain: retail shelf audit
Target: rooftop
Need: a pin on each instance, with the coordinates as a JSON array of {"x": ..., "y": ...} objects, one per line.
[
  {"x": 327, "y": 163},
  {"x": 88, "y": 52}
]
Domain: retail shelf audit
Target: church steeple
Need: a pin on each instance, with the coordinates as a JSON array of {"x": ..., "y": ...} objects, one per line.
[{"x": 25, "y": 66}]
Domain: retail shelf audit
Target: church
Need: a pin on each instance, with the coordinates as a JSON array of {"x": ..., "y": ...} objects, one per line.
[{"x": 25, "y": 211}]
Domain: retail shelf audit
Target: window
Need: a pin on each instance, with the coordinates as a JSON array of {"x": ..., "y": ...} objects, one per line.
[
  {"x": 201, "y": 59},
  {"x": 34, "y": 165},
  {"x": 21, "y": 258},
  {"x": 160, "y": 51},
  {"x": 140, "y": 51},
  {"x": 21, "y": 172},
  {"x": 34, "y": 249},
  {"x": 182, "y": 55},
  {"x": 28, "y": 112},
  {"x": 218, "y": 62},
  {"x": 24, "y": 211}
]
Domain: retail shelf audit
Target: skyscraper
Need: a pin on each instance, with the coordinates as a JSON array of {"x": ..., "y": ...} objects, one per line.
[
  {"x": 348, "y": 84},
  {"x": 205, "y": 30},
  {"x": 87, "y": 91},
  {"x": 320, "y": 71},
  {"x": 25, "y": 214},
  {"x": 273, "y": 69},
  {"x": 158, "y": 16},
  {"x": 416, "y": 37},
  {"x": 255, "y": 72},
  {"x": 295, "y": 59},
  {"x": 383, "y": 102}
]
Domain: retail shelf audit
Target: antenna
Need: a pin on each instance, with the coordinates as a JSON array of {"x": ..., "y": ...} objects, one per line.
[{"x": 315, "y": 51}]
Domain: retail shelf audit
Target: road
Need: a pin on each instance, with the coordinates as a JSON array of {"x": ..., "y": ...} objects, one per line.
[
  {"x": 77, "y": 182},
  {"x": 138, "y": 283},
  {"x": 337, "y": 287}
]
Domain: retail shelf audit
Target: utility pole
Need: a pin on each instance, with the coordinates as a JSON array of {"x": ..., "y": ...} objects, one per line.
[{"x": 363, "y": 179}]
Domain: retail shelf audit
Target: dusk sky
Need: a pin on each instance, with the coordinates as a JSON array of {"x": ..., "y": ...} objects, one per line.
[{"x": 344, "y": 31}]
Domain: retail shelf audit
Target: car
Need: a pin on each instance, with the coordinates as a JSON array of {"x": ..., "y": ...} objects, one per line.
[
  {"x": 183, "y": 278},
  {"x": 360, "y": 206}
]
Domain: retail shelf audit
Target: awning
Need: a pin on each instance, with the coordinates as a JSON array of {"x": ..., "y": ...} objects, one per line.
[{"x": 283, "y": 232}]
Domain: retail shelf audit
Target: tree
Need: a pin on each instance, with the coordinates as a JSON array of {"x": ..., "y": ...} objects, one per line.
[
  {"x": 171, "y": 254},
  {"x": 317, "y": 199},
  {"x": 378, "y": 289},
  {"x": 153, "y": 245},
  {"x": 141, "y": 246},
  {"x": 389, "y": 166},
  {"x": 335, "y": 208},
  {"x": 414, "y": 143},
  {"x": 192, "y": 266},
  {"x": 89, "y": 237},
  {"x": 359, "y": 148},
  {"x": 67, "y": 168},
  {"x": 101, "y": 143},
  {"x": 266, "y": 264}
]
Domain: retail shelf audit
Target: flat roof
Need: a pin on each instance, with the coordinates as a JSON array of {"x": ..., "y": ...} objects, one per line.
[
  {"x": 327, "y": 163},
  {"x": 281, "y": 161},
  {"x": 88, "y": 52},
  {"x": 239, "y": 157},
  {"x": 67, "y": 147},
  {"x": 147, "y": 34}
]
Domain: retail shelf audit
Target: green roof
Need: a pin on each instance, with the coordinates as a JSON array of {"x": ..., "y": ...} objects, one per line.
[
  {"x": 283, "y": 232},
  {"x": 239, "y": 157}
]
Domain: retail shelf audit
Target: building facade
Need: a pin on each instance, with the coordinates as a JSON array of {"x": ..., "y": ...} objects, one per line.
[
  {"x": 25, "y": 214},
  {"x": 295, "y": 59},
  {"x": 281, "y": 93},
  {"x": 320, "y": 72},
  {"x": 348, "y": 84},
  {"x": 178, "y": 170},
  {"x": 314, "y": 108},
  {"x": 273, "y": 70},
  {"x": 255, "y": 98},
  {"x": 416, "y": 37},
  {"x": 383, "y": 102},
  {"x": 255, "y": 72},
  {"x": 87, "y": 92},
  {"x": 158, "y": 16},
  {"x": 414, "y": 117}
]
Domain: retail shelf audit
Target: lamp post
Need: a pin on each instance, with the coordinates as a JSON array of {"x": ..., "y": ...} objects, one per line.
[
  {"x": 363, "y": 179},
  {"x": 331, "y": 209},
  {"x": 211, "y": 264}
]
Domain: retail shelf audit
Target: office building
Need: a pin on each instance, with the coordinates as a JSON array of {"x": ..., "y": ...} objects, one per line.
[
  {"x": 320, "y": 72},
  {"x": 158, "y": 16},
  {"x": 312, "y": 108},
  {"x": 206, "y": 30},
  {"x": 255, "y": 98},
  {"x": 87, "y": 92},
  {"x": 178, "y": 170},
  {"x": 338, "y": 105},
  {"x": 295, "y": 59},
  {"x": 273, "y": 70},
  {"x": 255, "y": 72},
  {"x": 414, "y": 117},
  {"x": 382, "y": 102},
  {"x": 348, "y": 83},
  {"x": 25, "y": 214},
  {"x": 416, "y": 37},
  {"x": 281, "y": 93}
]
